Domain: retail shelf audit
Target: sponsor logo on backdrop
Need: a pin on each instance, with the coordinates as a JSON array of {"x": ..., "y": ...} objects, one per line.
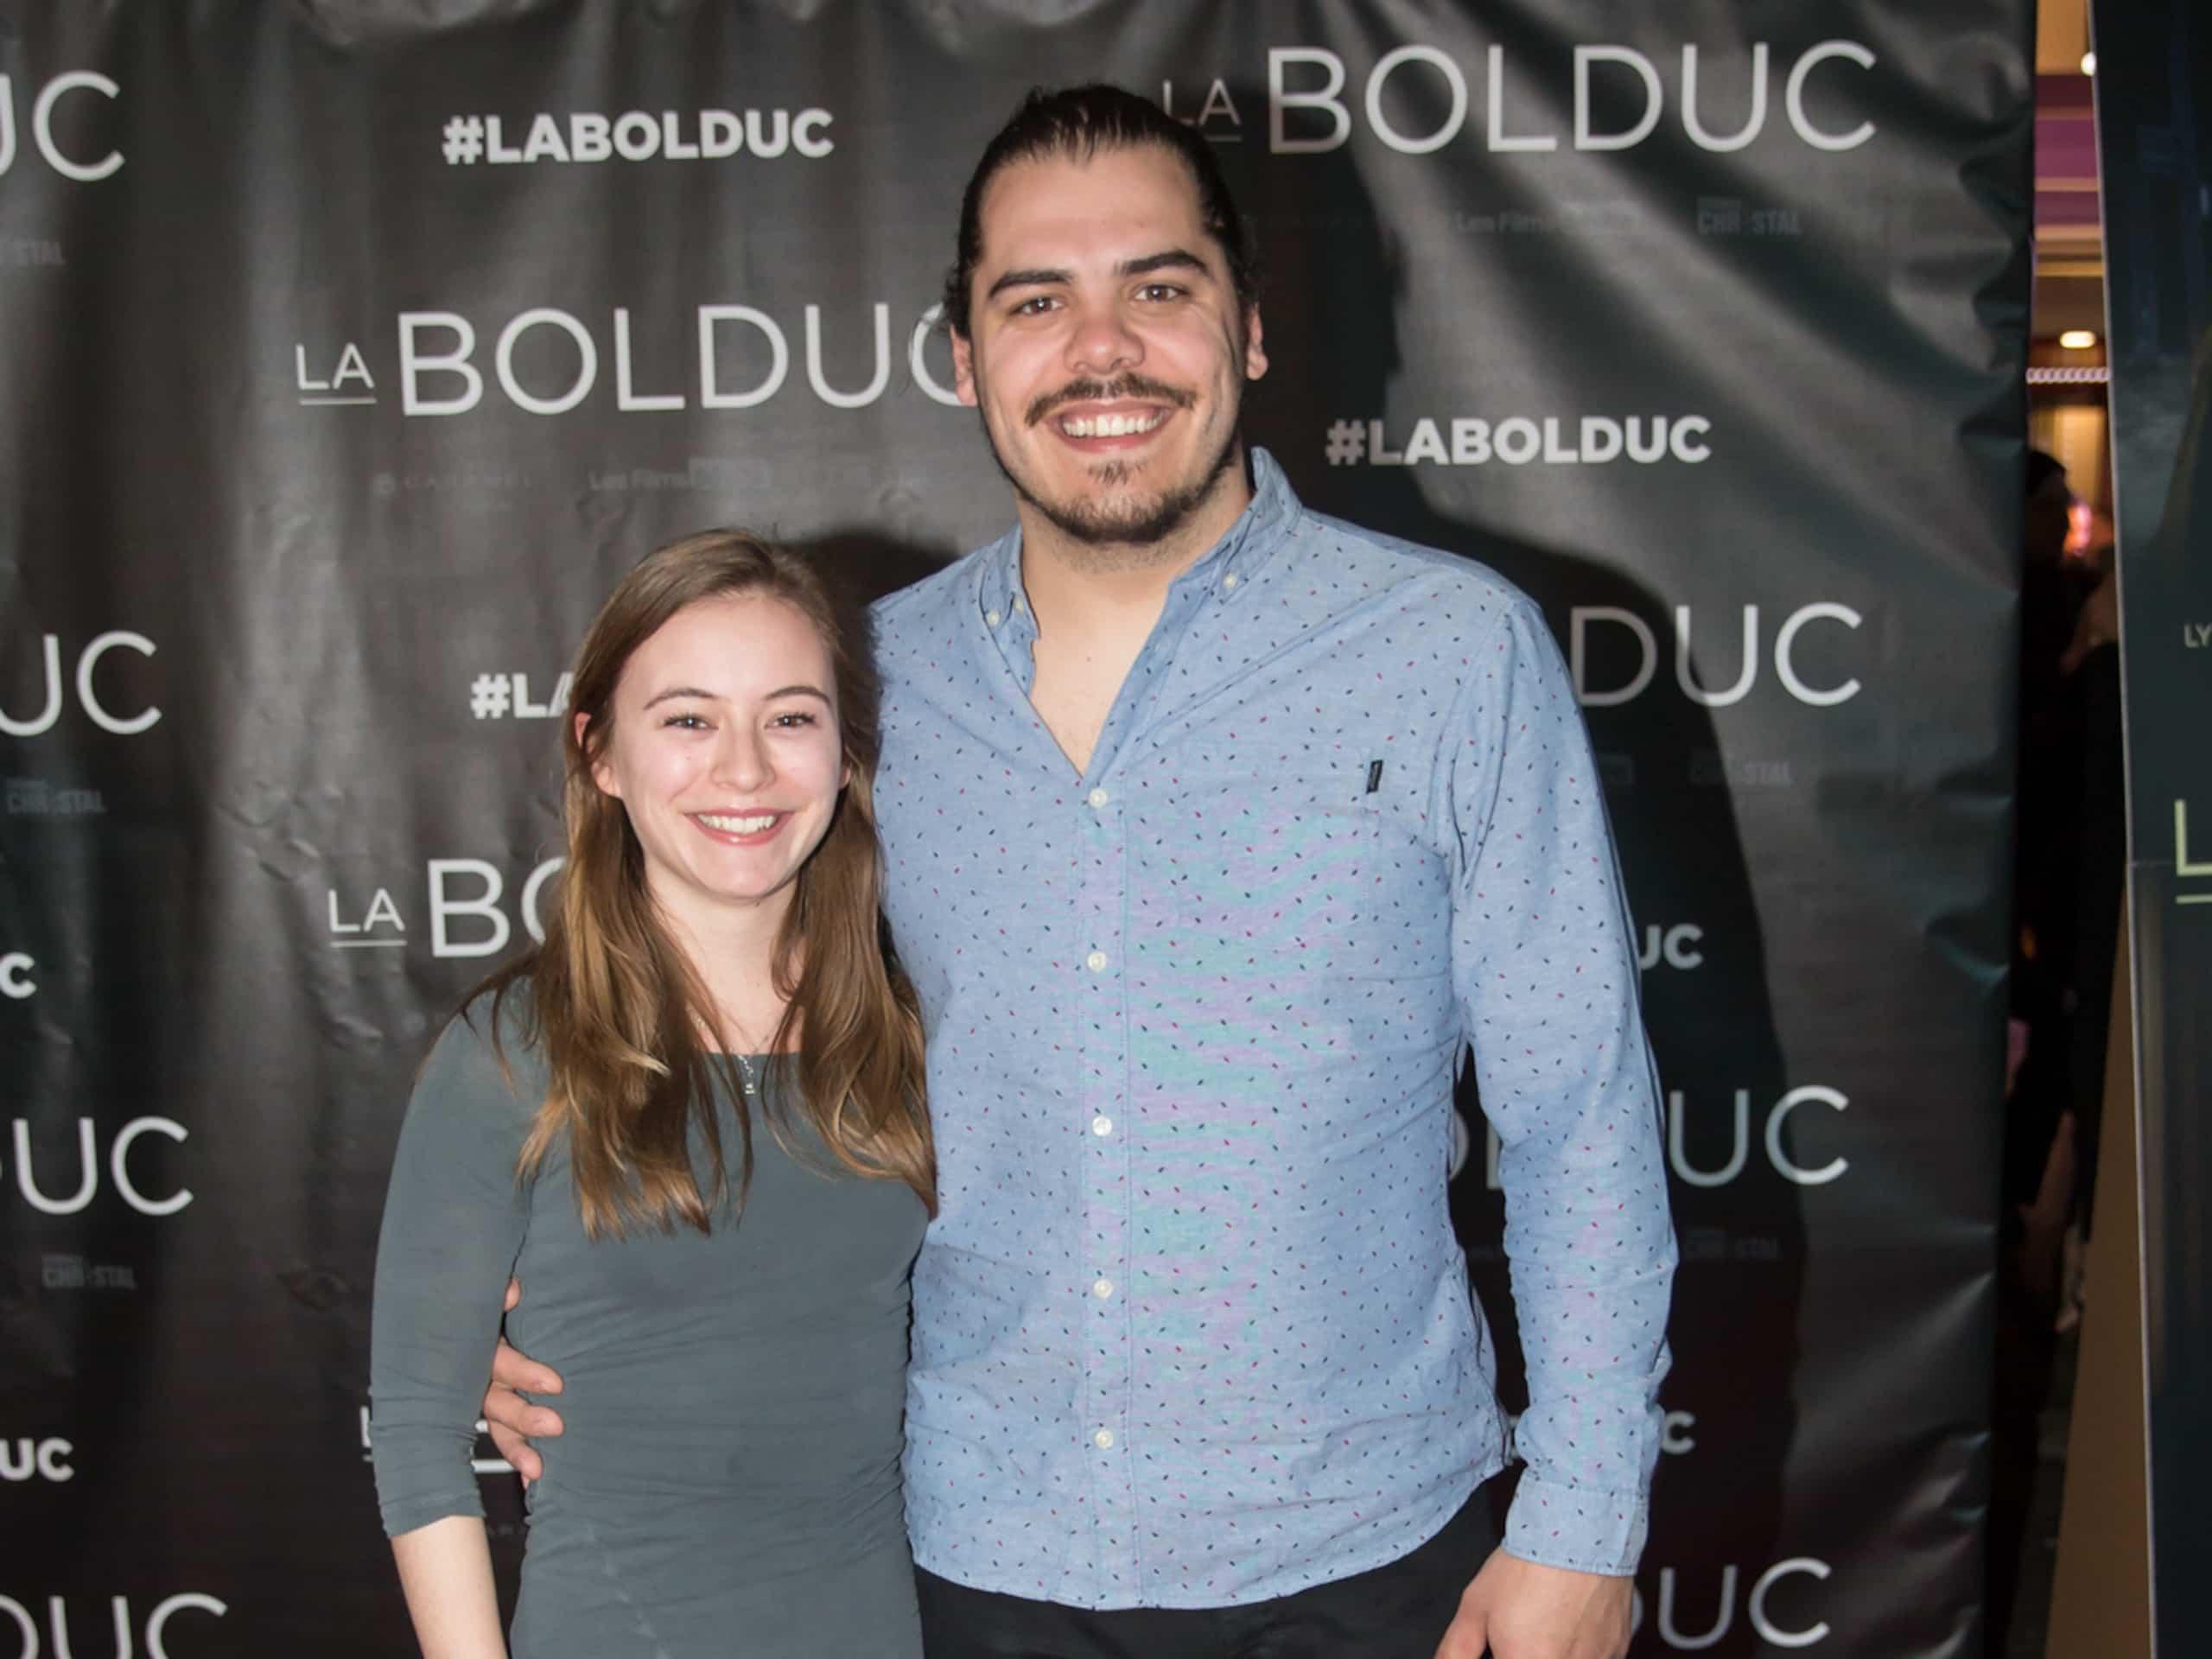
[
  {"x": 1519, "y": 440},
  {"x": 124, "y": 1629},
  {"x": 74, "y": 1272},
  {"x": 1727, "y": 216},
  {"x": 87, "y": 165},
  {"x": 56, "y": 1182},
  {"x": 1311, "y": 108},
  {"x": 2196, "y": 636},
  {"x": 26, "y": 1459},
  {"x": 29, "y": 253},
  {"x": 1772, "y": 1141},
  {"x": 725, "y": 356},
  {"x": 35, "y": 797},
  {"x": 1685, "y": 1595},
  {"x": 86, "y": 680},
  {"x": 1584, "y": 620},
  {"x": 493, "y": 1465},
  {"x": 465, "y": 900},
  {"x": 2193, "y": 874},
  {"x": 636, "y": 135},
  {"x": 16, "y": 968}
]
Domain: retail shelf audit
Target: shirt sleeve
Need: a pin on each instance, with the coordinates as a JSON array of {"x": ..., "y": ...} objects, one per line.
[
  {"x": 453, "y": 1221},
  {"x": 1544, "y": 961}
]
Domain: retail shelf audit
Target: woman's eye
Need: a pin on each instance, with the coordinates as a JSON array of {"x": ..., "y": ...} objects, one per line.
[
  {"x": 789, "y": 721},
  {"x": 687, "y": 723}
]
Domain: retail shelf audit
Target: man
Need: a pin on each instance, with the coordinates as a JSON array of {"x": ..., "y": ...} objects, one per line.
[{"x": 1215, "y": 831}]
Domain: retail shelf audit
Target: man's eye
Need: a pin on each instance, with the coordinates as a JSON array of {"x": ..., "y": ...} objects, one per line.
[
  {"x": 1037, "y": 305},
  {"x": 1162, "y": 291}
]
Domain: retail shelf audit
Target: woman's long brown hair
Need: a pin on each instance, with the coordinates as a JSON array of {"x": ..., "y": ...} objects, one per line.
[{"x": 615, "y": 1008}]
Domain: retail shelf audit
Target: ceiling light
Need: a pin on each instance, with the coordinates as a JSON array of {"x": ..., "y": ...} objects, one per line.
[{"x": 2077, "y": 340}]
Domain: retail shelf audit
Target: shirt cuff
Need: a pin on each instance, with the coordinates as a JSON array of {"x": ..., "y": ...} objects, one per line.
[{"x": 1581, "y": 1528}]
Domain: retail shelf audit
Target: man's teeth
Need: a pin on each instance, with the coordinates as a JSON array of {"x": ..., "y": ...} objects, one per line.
[
  {"x": 1111, "y": 426},
  {"x": 734, "y": 826}
]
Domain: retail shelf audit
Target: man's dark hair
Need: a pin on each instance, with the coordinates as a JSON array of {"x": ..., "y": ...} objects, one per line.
[{"x": 1079, "y": 122}]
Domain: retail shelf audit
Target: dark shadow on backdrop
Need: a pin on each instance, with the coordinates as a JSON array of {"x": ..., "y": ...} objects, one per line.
[{"x": 1334, "y": 289}]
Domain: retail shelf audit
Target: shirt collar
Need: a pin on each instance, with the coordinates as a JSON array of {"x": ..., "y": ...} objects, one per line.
[{"x": 1247, "y": 546}]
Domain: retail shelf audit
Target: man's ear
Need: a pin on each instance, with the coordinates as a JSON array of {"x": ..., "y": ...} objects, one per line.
[
  {"x": 1255, "y": 350},
  {"x": 602, "y": 773},
  {"x": 964, "y": 368}
]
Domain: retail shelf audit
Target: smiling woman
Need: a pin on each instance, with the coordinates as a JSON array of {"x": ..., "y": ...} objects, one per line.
[{"x": 715, "y": 964}]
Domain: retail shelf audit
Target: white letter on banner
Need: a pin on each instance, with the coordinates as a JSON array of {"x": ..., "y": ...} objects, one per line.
[
  {"x": 1735, "y": 693},
  {"x": 545, "y": 872},
  {"x": 1497, "y": 138},
  {"x": 822, "y": 387},
  {"x": 42, "y": 126},
  {"x": 1793, "y": 96},
  {"x": 455, "y": 362},
  {"x": 1787, "y": 638},
  {"x": 117, "y": 1153},
  {"x": 16, "y": 1610},
  {"x": 1696, "y": 128},
  {"x": 1767, "y": 1632},
  {"x": 1675, "y": 1638},
  {"x": 168, "y": 1609},
  {"x": 587, "y": 368},
  {"x": 85, "y": 664},
  {"x": 1781, "y": 1160},
  {"x": 16, "y": 981},
  {"x": 806, "y": 131},
  {"x": 623, "y": 396},
  {"x": 721, "y": 134},
  {"x": 1736, "y": 1157},
  {"x": 88, "y": 1164},
  {"x": 1653, "y": 98},
  {"x": 920, "y": 366},
  {"x": 7, "y": 144},
  {"x": 52, "y": 712},
  {"x": 487, "y": 906},
  {"x": 1578, "y": 621},
  {"x": 779, "y": 353},
  {"x": 2185, "y": 866},
  {"x": 589, "y": 137},
  {"x": 1444, "y": 134},
  {"x": 1281, "y": 99}
]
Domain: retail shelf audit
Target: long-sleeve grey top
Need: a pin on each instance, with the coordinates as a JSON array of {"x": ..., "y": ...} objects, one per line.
[{"x": 728, "y": 1482}]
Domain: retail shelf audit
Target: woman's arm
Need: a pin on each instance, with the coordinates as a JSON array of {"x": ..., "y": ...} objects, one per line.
[
  {"x": 446, "y": 1570},
  {"x": 454, "y": 1220}
]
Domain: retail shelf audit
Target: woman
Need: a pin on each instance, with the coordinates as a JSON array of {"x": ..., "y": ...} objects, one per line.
[{"x": 692, "y": 1123}]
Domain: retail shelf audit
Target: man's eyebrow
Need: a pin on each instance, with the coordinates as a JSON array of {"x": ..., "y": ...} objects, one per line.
[
  {"x": 1167, "y": 259},
  {"x": 1034, "y": 278}
]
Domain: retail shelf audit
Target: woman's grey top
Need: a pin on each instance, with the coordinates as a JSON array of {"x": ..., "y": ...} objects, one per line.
[{"x": 728, "y": 1480}]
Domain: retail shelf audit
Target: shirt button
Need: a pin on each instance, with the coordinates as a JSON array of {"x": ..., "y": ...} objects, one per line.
[
  {"x": 1099, "y": 798},
  {"x": 1095, "y": 962},
  {"x": 1020, "y": 604},
  {"x": 991, "y": 617},
  {"x": 1101, "y": 1125},
  {"x": 1103, "y": 1440},
  {"x": 1102, "y": 1289},
  {"x": 1228, "y": 582}
]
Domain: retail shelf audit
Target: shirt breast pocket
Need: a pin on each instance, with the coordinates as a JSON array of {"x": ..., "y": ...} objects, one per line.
[{"x": 1280, "y": 874}]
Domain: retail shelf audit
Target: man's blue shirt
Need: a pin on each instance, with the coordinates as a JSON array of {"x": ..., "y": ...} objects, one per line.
[{"x": 1191, "y": 1327}]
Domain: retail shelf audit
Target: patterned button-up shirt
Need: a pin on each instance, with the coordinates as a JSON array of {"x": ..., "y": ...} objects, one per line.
[{"x": 1191, "y": 1327}]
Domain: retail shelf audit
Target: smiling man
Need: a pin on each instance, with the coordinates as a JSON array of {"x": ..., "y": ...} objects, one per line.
[{"x": 1216, "y": 832}]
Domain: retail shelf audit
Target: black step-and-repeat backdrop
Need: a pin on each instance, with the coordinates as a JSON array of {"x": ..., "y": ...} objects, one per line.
[
  {"x": 347, "y": 352},
  {"x": 2154, "y": 130}
]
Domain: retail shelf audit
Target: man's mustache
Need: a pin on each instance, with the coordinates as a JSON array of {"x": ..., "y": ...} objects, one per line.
[{"x": 1109, "y": 391}]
